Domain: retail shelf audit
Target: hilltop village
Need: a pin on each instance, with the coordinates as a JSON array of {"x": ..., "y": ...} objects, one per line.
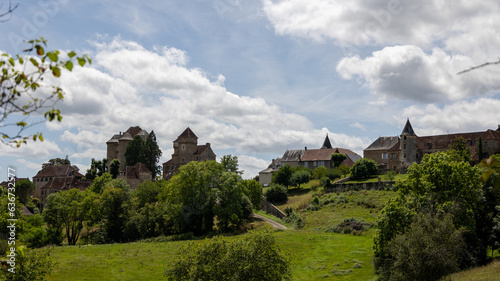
[{"x": 394, "y": 153}]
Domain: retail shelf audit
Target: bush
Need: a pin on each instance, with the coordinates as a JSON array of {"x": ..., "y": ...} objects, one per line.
[
  {"x": 391, "y": 175},
  {"x": 294, "y": 218},
  {"x": 254, "y": 257},
  {"x": 300, "y": 177},
  {"x": 320, "y": 172},
  {"x": 350, "y": 226},
  {"x": 334, "y": 174},
  {"x": 364, "y": 168},
  {"x": 276, "y": 193}
]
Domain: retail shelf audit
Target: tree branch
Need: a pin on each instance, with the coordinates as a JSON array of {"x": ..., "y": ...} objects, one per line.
[{"x": 479, "y": 66}]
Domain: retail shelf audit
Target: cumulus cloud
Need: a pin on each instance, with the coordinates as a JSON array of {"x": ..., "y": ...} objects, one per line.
[
  {"x": 463, "y": 116},
  {"x": 408, "y": 73},
  {"x": 34, "y": 150},
  {"x": 28, "y": 164}
]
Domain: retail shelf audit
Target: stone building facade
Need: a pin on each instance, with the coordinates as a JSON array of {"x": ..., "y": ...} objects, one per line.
[
  {"x": 117, "y": 145},
  {"x": 399, "y": 152},
  {"x": 186, "y": 149}
]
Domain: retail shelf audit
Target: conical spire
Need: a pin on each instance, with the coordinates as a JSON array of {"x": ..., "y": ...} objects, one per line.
[
  {"x": 408, "y": 130},
  {"x": 326, "y": 143}
]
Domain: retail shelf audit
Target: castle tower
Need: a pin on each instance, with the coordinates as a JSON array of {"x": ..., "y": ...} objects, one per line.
[
  {"x": 408, "y": 146},
  {"x": 185, "y": 146},
  {"x": 326, "y": 143}
]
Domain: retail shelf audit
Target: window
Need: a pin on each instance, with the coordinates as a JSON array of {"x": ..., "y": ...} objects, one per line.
[
  {"x": 404, "y": 155},
  {"x": 183, "y": 147},
  {"x": 469, "y": 142},
  {"x": 384, "y": 156},
  {"x": 486, "y": 143},
  {"x": 404, "y": 146},
  {"x": 315, "y": 163}
]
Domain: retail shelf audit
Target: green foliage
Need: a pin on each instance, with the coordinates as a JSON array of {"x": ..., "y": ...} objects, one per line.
[
  {"x": 283, "y": 176},
  {"x": 147, "y": 192},
  {"x": 230, "y": 163},
  {"x": 20, "y": 82},
  {"x": 68, "y": 210},
  {"x": 30, "y": 265},
  {"x": 201, "y": 191},
  {"x": 344, "y": 169},
  {"x": 100, "y": 182},
  {"x": 391, "y": 175},
  {"x": 441, "y": 185},
  {"x": 134, "y": 150},
  {"x": 24, "y": 188},
  {"x": 114, "y": 168},
  {"x": 55, "y": 162},
  {"x": 34, "y": 235},
  {"x": 429, "y": 250},
  {"x": 338, "y": 158},
  {"x": 115, "y": 208},
  {"x": 364, "y": 168},
  {"x": 253, "y": 190},
  {"x": 294, "y": 218},
  {"x": 256, "y": 257},
  {"x": 350, "y": 226},
  {"x": 458, "y": 148},
  {"x": 97, "y": 168},
  {"x": 300, "y": 177},
  {"x": 276, "y": 193},
  {"x": 320, "y": 172},
  {"x": 151, "y": 154},
  {"x": 334, "y": 174}
]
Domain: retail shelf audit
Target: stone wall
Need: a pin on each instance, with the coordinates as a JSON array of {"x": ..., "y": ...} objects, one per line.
[
  {"x": 271, "y": 209},
  {"x": 361, "y": 186}
]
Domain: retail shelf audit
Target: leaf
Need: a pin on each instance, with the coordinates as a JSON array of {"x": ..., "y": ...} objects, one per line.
[
  {"x": 34, "y": 61},
  {"x": 40, "y": 137},
  {"x": 81, "y": 61},
  {"x": 21, "y": 123},
  {"x": 71, "y": 54},
  {"x": 56, "y": 71},
  {"x": 69, "y": 65},
  {"x": 53, "y": 56},
  {"x": 39, "y": 50}
]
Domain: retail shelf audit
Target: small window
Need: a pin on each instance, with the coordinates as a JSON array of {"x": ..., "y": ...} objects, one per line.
[
  {"x": 404, "y": 156},
  {"x": 404, "y": 146},
  {"x": 469, "y": 142},
  {"x": 384, "y": 156}
]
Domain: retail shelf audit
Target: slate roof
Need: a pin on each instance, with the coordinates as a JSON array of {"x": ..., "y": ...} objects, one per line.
[
  {"x": 408, "y": 129},
  {"x": 129, "y": 134},
  {"x": 353, "y": 157},
  {"x": 292, "y": 155},
  {"x": 383, "y": 143},
  {"x": 326, "y": 143},
  {"x": 67, "y": 183},
  {"x": 200, "y": 149}
]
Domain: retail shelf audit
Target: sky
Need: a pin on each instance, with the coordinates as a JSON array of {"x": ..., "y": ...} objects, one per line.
[{"x": 257, "y": 77}]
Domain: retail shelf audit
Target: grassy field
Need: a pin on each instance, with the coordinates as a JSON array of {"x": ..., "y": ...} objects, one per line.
[
  {"x": 315, "y": 253},
  {"x": 490, "y": 272}
]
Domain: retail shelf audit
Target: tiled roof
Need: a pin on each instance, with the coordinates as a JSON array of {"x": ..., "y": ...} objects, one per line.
[
  {"x": 67, "y": 183},
  {"x": 292, "y": 155},
  {"x": 132, "y": 172},
  {"x": 134, "y": 131},
  {"x": 323, "y": 154},
  {"x": 408, "y": 129},
  {"x": 200, "y": 149},
  {"x": 444, "y": 141},
  {"x": 187, "y": 134},
  {"x": 383, "y": 143},
  {"x": 58, "y": 170}
]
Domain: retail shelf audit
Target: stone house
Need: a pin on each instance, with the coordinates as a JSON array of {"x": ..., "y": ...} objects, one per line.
[
  {"x": 135, "y": 175},
  {"x": 265, "y": 176},
  {"x": 186, "y": 149},
  {"x": 117, "y": 145},
  {"x": 399, "y": 152}
]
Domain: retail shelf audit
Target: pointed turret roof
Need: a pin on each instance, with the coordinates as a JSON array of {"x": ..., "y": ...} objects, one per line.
[
  {"x": 408, "y": 130},
  {"x": 326, "y": 143},
  {"x": 187, "y": 134}
]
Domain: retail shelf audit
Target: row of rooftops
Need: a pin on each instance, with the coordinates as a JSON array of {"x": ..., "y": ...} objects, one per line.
[
  {"x": 128, "y": 135},
  {"x": 431, "y": 142}
]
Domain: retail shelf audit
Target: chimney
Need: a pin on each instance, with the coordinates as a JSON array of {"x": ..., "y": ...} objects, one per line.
[
  {"x": 305, "y": 148},
  {"x": 208, "y": 144}
]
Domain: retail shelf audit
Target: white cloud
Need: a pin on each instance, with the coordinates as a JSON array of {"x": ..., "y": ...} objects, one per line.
[
  {"x": 90, "y": 153},
  {"x": 33, "y": 149},
  {"x": 28, "y": 164},
  {"x": 408, "y": 73},
  {"x": 463, "y": 116},
  {"x": 85, "y": 138},
  {"x": 251, "y": 165}
]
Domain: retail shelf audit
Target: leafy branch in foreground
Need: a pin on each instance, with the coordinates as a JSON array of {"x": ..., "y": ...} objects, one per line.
[{"x": 21, "y": 88}]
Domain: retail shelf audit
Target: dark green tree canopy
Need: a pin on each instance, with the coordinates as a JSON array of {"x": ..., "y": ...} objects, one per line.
[
  {"x": 364, "y": 168},
  {"x": 133, "y": 153},
  {"x": 338, "y": 158}
]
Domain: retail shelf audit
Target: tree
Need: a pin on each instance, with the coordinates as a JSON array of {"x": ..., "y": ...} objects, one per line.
[
  {"x": 459, "y": 148},
  {"x": 100, "y": 182},
  {"x": 151, "y": 154},
  {"x": 276, "y": 193},
  {"x": 480, "y": 149},
  {"x": 338, "y": 158},
  {"x": 442, "y": 184},
  {"x": 30, "y": 265},
  {"x": 364, "y": 168},
  {"x": 253, "y": 190},
  {"x": 114, "y": 168},
  {"x": 230, "y": 163},
  {"x": 255, "y": 257},
  {"x": 24, "y": 188},
  {"x": 300, "y": 177},
  {"x": 56, "y": 162},
  {"x": 67, "y": 209},
  {"x": 283, "y": 176},
  {"x": 320, "y": 172},
  {"x": 21, "y": 84},
  {"x": 133, "y": 153},
  {"x": 115, "y": 207}
]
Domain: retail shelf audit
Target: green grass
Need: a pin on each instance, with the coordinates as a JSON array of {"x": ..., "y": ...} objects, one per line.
[
  {"x": 399, "y": 177},
  {"x": 490, "y": 272}
]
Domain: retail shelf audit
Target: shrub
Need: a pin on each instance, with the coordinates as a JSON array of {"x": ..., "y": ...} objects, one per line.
[
  {"x": 294, "y": 218},
  {"x": 300, "y": 177},
  {"x": 276, "y": 193},
  {"x": 334, "y": 174},
  {"x": 320, "y": 172},
  {"x": 349, "y": 226},
  {"x": 255, "y": 257},
  {"x": 364, "y": 168},
  {"x": 391, "y": 175}
]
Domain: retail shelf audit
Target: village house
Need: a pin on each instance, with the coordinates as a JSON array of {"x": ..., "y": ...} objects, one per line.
[
  {"x": 55, "y": 178},
  {"x": 135, "y": 175},
  {"x": 310, "y": 158},
  {"x": 399, "y": 152},
  {"x": 186, "y": 149}
]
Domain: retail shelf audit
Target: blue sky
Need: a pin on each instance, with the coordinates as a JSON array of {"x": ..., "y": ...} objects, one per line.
[{"x": 255, "y": 78}]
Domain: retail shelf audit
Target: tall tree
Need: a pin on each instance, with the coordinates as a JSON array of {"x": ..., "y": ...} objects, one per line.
[
  {"x": 338, "y": 158},
  {"x": 24, "y": 188},
  {"x": 230, "y": 163},
  {"x": 56, "y": 162},
  {"x": 134, "y": 151},
  {"x": 151, "y": 154},
  {"x": 114, "y": 168}
]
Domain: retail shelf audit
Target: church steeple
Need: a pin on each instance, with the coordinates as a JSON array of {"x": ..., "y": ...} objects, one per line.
[
  {"x": 326, "y": 143},
  {"x": 408, "y": 129}
]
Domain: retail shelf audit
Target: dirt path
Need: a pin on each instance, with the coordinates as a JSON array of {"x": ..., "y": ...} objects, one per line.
[{"x": 269, "y": 221}]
